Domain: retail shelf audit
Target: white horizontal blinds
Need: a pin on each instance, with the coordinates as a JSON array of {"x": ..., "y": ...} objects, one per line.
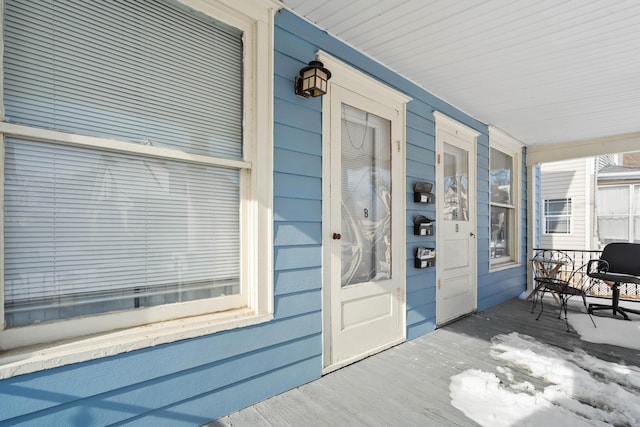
[
  {"x": 88, "y": 231},
  {"x": 149, "y": 72}
]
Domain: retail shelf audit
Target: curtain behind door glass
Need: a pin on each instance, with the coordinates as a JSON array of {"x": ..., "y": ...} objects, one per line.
[
  {"x": 366, "y": 196},
  {"x": 456, "y": 184}
]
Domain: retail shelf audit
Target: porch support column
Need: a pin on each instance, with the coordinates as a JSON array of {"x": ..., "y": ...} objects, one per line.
[{"x": 532, "y": 214}]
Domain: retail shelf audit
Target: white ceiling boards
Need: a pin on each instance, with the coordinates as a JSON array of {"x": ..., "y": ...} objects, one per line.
[{"x": 542, "y": 71}]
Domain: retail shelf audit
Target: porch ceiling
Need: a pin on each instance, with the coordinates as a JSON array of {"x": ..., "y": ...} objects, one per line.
[{"x": 544, "y": 71}]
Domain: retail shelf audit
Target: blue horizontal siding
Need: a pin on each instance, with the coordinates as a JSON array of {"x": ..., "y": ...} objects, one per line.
[
  {"x": 297, "y": 163},
  {"x": 307, "y": 279},
  {"x": 298, "y": 140},
  {"x": 297, "y": 210},
  {"x": 297, "y": 186},
  {"x": 193, "y": 381},
  {"x": 297, "y": 234},
  {"x": 94, "y": 386}
]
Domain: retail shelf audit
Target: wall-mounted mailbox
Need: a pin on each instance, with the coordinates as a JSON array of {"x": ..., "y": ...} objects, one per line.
[
  {"x": 423, "y": 197},
  {"x": 425, "y": 257},
  {"x": 423, "y": 226},
  {"x": 422, "y": 192}
]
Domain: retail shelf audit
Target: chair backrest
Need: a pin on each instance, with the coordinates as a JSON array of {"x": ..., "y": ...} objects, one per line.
[
  {"x": 622, "y": 258},
  {"x": 551, "y": 259}
]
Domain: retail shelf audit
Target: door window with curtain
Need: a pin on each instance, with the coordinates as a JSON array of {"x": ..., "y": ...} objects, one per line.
[
  {"x": 456, "y": 184},
  {"x": 93, "y": 229},
  {"x": 366, "y": 196}
]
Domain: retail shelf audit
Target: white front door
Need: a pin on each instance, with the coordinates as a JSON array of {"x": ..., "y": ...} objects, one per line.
[
  {"x": 364, "y": 256},
  {"x": 456, "y": 220}
]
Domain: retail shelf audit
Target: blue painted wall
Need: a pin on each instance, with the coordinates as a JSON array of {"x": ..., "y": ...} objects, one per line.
[{"x": 194, "y": 381}]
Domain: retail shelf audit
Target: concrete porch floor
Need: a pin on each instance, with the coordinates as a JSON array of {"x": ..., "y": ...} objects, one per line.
[{"x": 408, "y": 385}]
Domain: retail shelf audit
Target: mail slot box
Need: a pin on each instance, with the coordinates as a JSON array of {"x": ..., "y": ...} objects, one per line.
[
  {"x": 422, "y": 192},
  {"x": 423, "y": 226},
  {"x": 423, "y": 229},
  {"x": 425, "y": 257},
  {"x": 423, "y": 197},
  {"x": 425, "y": 263}
]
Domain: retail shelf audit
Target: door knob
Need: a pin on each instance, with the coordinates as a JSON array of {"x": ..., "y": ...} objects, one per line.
[
  {"x": 472, "y": 235},
  {"x": 337, "y": 236}
]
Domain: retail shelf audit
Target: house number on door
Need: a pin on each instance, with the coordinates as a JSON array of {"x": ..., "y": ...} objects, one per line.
[{"x": 366, "y": 213}]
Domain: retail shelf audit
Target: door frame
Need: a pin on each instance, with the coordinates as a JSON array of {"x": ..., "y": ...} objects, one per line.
[
  {"x": 355, "y": 81},
  {"x": 447, "y": 124}
]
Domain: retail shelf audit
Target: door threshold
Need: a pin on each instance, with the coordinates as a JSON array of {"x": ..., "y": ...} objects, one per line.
[
  {"x": 455, "y": 319},
  {"x": 334, "y": 367}
]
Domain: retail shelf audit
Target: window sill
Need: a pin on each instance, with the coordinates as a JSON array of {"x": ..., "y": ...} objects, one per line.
[
  {"x": 503, "y": 266},
  {"x": 46, "y": 356}
]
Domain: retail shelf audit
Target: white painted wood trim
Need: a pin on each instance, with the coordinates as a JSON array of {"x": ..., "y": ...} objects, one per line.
[
  {"x": 585, "y": 148},
  {"x": 532, "y": 219},
  {"x": 108, "y": 144},
  {"x": 588, "y": 198},
  {"x": 237, "y": 13},
  {"x": 327, "y": 228},
  {"x": 352, "y": 80},
  {"x": 33, "y": 359},
  {"x": 348, "y": 77},
  {"x": 256, "y": 19},
  {"x": 503, "y": 141},
  {"x": 445, "y": 122},
  {"x": 510, "y": 146}
]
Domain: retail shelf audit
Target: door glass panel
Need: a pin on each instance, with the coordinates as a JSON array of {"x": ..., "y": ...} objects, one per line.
[
  {"x": 456, "y": 184},
  {"x": 366, "y": 196}
]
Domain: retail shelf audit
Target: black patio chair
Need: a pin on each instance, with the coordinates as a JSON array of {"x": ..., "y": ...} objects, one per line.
[
  {"x": 566, "y": 282},
  {"x": 619, "y": 263}
]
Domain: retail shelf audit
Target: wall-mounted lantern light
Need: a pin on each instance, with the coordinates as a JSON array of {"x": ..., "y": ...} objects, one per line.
[{"x": 313, "y": 80}]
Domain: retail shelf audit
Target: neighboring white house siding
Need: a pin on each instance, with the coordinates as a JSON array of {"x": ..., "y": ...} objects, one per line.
[
  {"x": 561, "y": 180},
  {"x": 193, "y": 381}
]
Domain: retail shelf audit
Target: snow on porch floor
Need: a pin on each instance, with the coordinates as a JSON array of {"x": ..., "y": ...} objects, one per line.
[{"x": 500, "y": 367}]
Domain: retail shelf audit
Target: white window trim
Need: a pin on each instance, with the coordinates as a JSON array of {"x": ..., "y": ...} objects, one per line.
[
  {"x": 544, "y": 217},
  {"x": 256, "y": 19},
  {"x": 513, "y": 148}
]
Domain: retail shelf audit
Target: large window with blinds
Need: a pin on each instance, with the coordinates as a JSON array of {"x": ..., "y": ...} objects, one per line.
[{"x": 130, "y": 163}]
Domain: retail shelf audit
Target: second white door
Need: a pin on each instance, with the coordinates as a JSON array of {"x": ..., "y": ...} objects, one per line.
[{"x": 456, "y": 292}]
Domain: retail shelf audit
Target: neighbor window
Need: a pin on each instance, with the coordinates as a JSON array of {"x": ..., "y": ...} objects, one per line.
[
  {"x": 557, "y": 216},
  {"x": 130, "y": 173},
  {"x": 619, "y": 213},
  {"x": 504, "y": 176}
]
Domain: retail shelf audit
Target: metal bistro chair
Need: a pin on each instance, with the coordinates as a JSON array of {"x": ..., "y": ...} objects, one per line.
[
  {"x": 547, "y": 263},
  {"x": 564, "y": 283}
]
